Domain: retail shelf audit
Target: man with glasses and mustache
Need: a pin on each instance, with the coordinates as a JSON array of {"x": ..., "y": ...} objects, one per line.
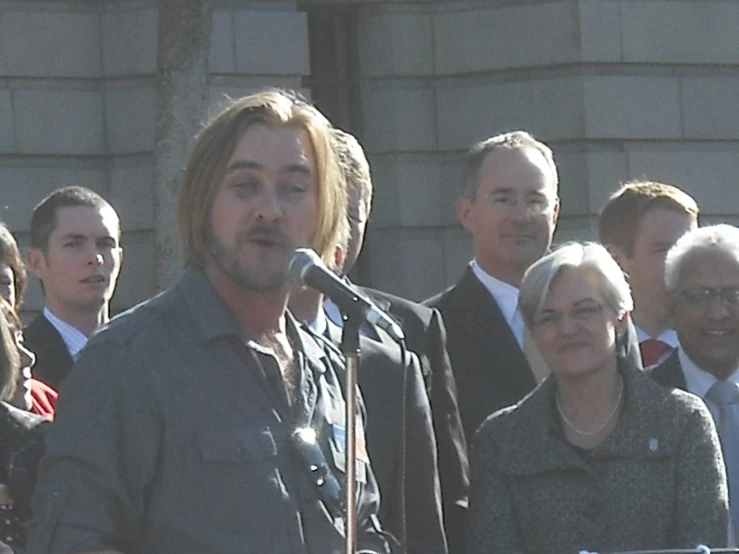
[{"x": 702, "y": 280}]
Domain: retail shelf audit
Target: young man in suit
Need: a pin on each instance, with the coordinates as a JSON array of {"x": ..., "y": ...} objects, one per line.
[
  {"x": 76, "y": 253},
  {"x": 638, "y": 224},
  {"x": 510, "y": 206},
  {"x": 425, "y": 336},
  {"x": 702, "y": 281}
]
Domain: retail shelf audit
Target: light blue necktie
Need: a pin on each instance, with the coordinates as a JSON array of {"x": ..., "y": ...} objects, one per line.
[{"x": 725, "y": 395}]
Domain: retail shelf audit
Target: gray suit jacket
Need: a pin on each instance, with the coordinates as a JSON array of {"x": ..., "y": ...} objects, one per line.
[{"x": 656, "y": 482}]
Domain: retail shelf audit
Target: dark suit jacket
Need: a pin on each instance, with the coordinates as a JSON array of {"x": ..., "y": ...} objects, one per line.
[
  {"x": 427, "y": 338},
  {"x": 53, "y": 362},
  {"x": 669, "y": 373},
  {"x": 403, "y": 458},
  {"x": 490, "y": 369}
]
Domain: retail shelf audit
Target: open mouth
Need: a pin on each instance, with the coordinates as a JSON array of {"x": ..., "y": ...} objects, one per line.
[{"x": 94, "y": 280}]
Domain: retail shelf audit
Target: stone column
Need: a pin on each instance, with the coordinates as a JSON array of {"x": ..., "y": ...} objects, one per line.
[{"x": 183, "y": 47}]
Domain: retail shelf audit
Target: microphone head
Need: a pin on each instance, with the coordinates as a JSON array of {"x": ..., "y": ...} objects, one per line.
[{"x": 299, "y": 263}]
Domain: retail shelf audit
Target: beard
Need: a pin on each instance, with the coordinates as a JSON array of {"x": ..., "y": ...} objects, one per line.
[{"x": 263, "y": 275}]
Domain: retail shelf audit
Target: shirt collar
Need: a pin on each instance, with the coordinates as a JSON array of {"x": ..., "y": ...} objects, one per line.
[
  {"x": 668, "y": 336},
  {"x": 505, "y": 295},
  {"x": 319, "y": 324},
  {"x": 210, "y": 314},
  {"x": 698, "y": 381},
  {"x": 74, "y": 339}
]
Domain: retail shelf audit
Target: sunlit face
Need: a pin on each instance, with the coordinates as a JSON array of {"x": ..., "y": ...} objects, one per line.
[
  {"x": 659, "y": 229},
  {"x": 514, "y": 213},
  {"x": 707, "y": 323},
  {"x": 7, "y": 283},
  {"x": 80, "y": 267},
  {"x": 265, "y": 207},
  {"x": 574, "y": 328}
]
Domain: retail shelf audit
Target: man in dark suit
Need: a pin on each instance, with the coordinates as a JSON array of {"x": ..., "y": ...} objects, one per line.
[
  {"x": 702, "y": 279},
  {"x": 75, "y": 252},
  {"x": 425, "y": 336},
  {"x": 510, "y": 206},
  {"x": 399, "y": 432}
]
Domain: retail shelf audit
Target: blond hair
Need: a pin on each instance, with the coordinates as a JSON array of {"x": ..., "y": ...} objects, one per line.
[{"x": 214, "y": 145}]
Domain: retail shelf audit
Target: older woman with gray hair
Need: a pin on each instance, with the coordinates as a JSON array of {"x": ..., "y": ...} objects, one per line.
[{"x": 598, "y": 457}]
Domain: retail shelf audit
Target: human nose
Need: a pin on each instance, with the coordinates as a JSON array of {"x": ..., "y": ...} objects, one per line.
[
  {"x": 718, "y": 307},
  {"x": 269, "y": 205}
]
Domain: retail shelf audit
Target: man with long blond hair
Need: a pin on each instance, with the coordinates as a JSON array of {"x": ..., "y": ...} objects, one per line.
[{"x": 205, "y": 419}]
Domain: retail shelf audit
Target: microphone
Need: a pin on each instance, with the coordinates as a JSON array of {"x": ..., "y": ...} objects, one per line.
[{"x": 305, "y": 268}]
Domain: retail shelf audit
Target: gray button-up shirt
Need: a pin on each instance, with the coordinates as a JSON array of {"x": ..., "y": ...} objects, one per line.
[{"x": 171, "y": 437}]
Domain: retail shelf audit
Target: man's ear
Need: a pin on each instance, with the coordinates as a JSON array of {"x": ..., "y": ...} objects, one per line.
[
  {"x": 120, "y": 256},
  {"x": 464, "y": 212},
  {"x": 36, "y": 261},
  {"x": 618, "y": 254}
]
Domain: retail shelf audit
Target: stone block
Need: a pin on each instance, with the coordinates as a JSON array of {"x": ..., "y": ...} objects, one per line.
[
  {"x": 406, "y": 191},
  {"x": 396, "y": 44},
  {"x": 136, "y": 280},
  {"x": 7, "y": 121},
  {"x": 665, "y": 31},
  {"x": 600, "y": 31},
  {"x": 558, "y": 108},
  {"x": 472, "y": 111},
  {"x": 25, "y": 185},
  {"x": 132, "y": 192},
  {"x": 222, "y": 45},
  {"x": 50, "y": 42},
  {"x": 129, "y": 41},
  {"x": 130, "y": 116},
  {"x": 576, "y": 228},
  {"x": 59, "y": 121},
  {"x": 706, "y": 171},
  {"x": 398, "y": 117},
  {"x": 710, "y": 107},
  {"x": 406, "y": 262},
  {"x": 271, "y": 43},
  {"x": 607, "y": 170},
  {"x": 573, "y": 181},
  {"x": 487, "y": 38},
  {"x": 223, "y": 88},
  {"x": 632, "y": 107},
  {"x": 458, "y": 251},
  {"x": 451, "y": 171}
]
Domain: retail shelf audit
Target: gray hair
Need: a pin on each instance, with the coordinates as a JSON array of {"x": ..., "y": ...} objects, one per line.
[
  {"x": 588, "y": 255},
  {"x": 723, "y": 237},
  {"x": 514, "y": 140}
]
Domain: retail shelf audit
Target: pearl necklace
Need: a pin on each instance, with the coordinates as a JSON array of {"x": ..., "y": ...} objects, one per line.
[{"x": 605, "y": 423}]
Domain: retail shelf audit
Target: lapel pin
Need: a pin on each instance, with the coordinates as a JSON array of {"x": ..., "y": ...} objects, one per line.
[{"x": 653, "y": 445}]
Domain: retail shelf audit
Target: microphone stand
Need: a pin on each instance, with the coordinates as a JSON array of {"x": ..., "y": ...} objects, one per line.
[{"x": 351, "y": 350}]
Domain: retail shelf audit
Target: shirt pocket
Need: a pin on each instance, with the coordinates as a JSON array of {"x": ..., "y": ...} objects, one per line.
[{"x": 241, "y": 483}]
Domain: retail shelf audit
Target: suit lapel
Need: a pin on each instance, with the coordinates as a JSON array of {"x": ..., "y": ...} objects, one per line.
[
  {"x": 489, "y": 330},
  {"x": 669, "y": 373}
]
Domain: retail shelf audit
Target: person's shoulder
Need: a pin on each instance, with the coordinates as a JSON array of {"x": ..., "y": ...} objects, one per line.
[
  {"x": 137, "y": 321},
  {"x": 439, "y": 300},
  {"x": 403, "y": 307}
]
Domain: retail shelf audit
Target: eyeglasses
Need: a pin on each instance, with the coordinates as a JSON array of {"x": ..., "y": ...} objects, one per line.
[
  {"x": 580, "y": 314},
  {"x": 703, "y": 297},
  {"x": 508, "y": 203}
]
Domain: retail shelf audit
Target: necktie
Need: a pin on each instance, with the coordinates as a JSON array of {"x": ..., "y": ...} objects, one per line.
[
  {"x": 725, "y": 396},
  {"x": 652, "y": 350}
]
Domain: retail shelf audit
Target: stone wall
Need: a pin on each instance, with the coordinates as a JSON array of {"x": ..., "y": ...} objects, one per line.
[{"x": 620, "y": 89}]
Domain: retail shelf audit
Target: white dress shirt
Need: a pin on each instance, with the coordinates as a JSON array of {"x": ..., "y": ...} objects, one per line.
[
  {"x": 507, "y": 298},
  {"x": 74, "y": 339}
]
